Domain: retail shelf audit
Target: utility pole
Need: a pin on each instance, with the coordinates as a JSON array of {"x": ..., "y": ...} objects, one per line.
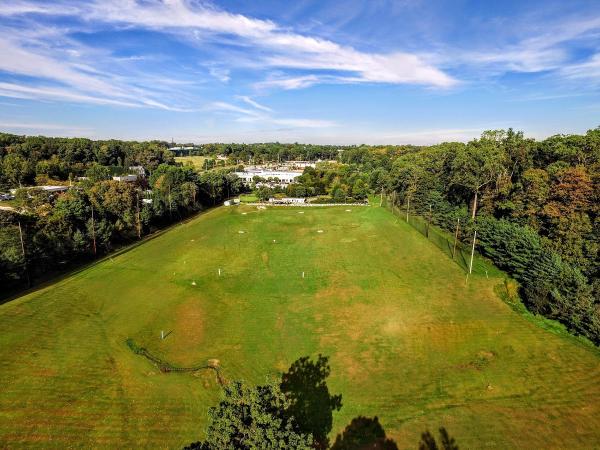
[
  {"x": 455, "y": 237},
  {"x": 170, "y": 206},
  {"x": 93, "y": 231},
  {"x": 472, "y": 252},
  {"x": 137, "y": 204},
  {"x": 428, "y": 222},
  {"x": 23, "y": 252}
]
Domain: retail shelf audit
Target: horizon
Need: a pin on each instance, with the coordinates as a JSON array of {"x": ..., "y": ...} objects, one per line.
[
  {"x": 374, "y": 73},
  {"x": 182, "y": 142}
]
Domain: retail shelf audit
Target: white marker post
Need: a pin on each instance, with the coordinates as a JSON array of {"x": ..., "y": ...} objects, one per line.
[
  {"x": 162, "y": 334},
  {"x": 472, "y": 253},
  {"x": 219, "y": 272},
  {"x": 302, "y": 274}
]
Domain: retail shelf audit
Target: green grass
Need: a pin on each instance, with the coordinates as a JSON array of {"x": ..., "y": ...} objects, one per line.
[
  {"x": 408, "y": 339},
  {"x": 248, "y": 198},
  {"x": 197, "y": 161}
]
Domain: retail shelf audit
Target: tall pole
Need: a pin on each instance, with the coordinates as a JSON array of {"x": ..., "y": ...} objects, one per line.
[
  {"x": 455, "y": 237},
  {"x": 170, "y": 206},
  {"x": 428, "y": 222},
  {"x": 137, "y": 204},
  {"x": 407, "y": 208},
  {"x": 93, "y": 231},
  {"x": 381, "y": 198},
  {"x": 472, "y": 252},
  {"x": 23, "y": 252}
]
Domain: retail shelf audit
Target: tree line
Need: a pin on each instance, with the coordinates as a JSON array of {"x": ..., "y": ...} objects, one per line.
[
  {"x": 47, "y": 233},
  {"x": 535, "y": 206}
]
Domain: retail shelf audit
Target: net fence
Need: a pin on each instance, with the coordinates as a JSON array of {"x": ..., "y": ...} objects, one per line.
[{"x": 457, "y": 248}]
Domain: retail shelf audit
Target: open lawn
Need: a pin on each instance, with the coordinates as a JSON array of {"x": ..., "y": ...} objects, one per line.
[
  {"x": 196, "y": 161},
  {"x": 408, "y": 340}
]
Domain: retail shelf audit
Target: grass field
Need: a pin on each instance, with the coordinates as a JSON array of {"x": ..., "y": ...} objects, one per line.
[
  {"x": 196, "y": 161},
  {"x": 408, "y": 340}
]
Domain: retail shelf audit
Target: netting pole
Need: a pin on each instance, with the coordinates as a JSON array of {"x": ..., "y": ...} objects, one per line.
[
  {"x": 93, "y": 230},
  {"x": 472, "y": 252},
  {"x": 25, "y": 265},
  {"x": 428, "y": 223},
  {"x": 455, "y": 237}
]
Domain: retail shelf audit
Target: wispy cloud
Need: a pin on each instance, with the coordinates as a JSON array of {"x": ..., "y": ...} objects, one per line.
[
  {"x": 37, "y": 127},
  {"x": 220, "y": 74},
  {"x": 589, "y": 70},
  {"x": 262, "y": 116},
  {"x": 282, "y": 48},
  {"x": 535, "y": 49},
  {"x": 254, "y": 103}
]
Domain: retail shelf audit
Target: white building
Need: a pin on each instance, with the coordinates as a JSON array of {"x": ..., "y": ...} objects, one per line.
[
  {"x": 287, "y": 200},
  {"x": 137, "y": 170},
  {"x": 276, "y": 177},
  {"x": 300, "y": 164},
  {"x": 126, "y": 178},
  {"x": 49, "y": 189},
  {"x": 180, "y": 148}
]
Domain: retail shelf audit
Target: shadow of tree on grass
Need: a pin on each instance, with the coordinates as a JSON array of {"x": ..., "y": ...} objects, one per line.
[
  {"x": 428, "y": 441},
  {"x": 311, "y": 404},
  {"x": 364, "y": 433}
]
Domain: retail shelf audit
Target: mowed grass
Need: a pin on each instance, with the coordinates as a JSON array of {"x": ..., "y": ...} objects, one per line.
[
  {"x": 408, "y": 339},
  {"x": 198, "y": 162}
]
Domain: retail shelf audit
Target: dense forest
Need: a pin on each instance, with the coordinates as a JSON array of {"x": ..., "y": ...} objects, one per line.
[{"x": 535, "y": 204}]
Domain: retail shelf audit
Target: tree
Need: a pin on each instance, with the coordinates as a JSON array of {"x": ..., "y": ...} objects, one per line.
[
  {"x": 97, "y": 173},
  {"x": 359, "y": 190},
  {"x": 15, "y": 168},
  {"x": 311, "y": 404},
  {"x": 476, "y": 165},
  {"x": 12, "y": 262},
  {"x": 252, "y": 418},
  {"x": 263, "y": 193}
]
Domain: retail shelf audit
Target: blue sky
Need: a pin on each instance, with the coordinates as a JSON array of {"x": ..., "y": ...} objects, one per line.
[{"x": 318, "y": 71}]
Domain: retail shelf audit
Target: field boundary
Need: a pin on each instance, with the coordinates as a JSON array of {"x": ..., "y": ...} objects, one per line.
[{"x": 458, "y": 251}]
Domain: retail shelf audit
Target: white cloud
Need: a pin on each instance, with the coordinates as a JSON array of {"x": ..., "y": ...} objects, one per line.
[
  {"x": 283, "y": 48},
  {"x": 220, "y": 74},
  {"x": 589, "y": 69},
  {"x": 254, "y": 103},
  {"x": 37, "y": 127},
  {"x": 541, "y": 49},
  {"x": 228, "y": 107},
  {"x": 289, "y": 83},
  {"x": 263, "y": 118},
  {"x": 304, "y": 123}
]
